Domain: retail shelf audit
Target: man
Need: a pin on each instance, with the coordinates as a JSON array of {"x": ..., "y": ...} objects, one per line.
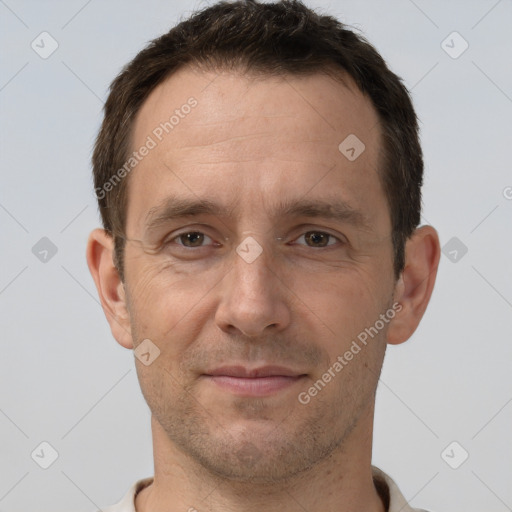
[{"x": 258, "y": 173}]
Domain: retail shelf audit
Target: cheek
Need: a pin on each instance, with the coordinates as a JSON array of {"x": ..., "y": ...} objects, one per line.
[
  {"x": 165, "y": 305},
  {"x": 344, "y": 305}
]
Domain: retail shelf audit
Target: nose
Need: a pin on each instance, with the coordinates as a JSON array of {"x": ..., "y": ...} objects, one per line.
[{"x": 254, "y": 296}]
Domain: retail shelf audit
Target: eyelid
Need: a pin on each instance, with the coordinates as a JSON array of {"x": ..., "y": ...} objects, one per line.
[
  {"x": 337, "y": 238},
  {"x": 174, "y": 236},
  {"x": 304, "y": 231}
]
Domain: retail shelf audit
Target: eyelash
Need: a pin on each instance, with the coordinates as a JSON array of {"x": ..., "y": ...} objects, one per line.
[{"x": 177, "y": 236}]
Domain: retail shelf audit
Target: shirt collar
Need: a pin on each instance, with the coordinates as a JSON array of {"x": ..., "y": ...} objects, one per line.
[{"x": 385, "y": 485}]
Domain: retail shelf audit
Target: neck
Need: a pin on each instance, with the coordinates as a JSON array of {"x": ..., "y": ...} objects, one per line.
[{"x": 342, "y": 482}]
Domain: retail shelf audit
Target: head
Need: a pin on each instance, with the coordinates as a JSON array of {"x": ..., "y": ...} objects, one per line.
[{"x": 299, "y": 150}]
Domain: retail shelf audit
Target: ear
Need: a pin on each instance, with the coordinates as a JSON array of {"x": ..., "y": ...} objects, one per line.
[
  {"x": 100, "y": 259},
  {"x": 414, "y": 288}
]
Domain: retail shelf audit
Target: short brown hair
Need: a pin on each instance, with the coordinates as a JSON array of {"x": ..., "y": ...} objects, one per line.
[{"x": 279, "y": 38}]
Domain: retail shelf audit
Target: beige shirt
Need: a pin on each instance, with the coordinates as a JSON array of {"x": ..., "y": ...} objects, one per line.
[{"x": 388, "y": 490}]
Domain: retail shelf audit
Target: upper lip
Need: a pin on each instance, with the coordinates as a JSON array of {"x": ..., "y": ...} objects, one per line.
[{"x": 262, "y": 371}]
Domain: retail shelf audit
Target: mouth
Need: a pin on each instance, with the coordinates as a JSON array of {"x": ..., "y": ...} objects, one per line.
[{"x": 262, "y": 381}]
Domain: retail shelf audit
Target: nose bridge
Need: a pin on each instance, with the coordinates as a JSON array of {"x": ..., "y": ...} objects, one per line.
[
  {"x": 252, "y": 295},
  {"x": 252, "y": 265}
]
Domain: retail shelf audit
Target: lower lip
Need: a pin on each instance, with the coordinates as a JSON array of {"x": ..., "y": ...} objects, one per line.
[{"x": 259, "y": 386}]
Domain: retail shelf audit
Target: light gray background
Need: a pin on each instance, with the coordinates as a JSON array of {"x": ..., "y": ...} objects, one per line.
[{"x": 65, "y": 380}]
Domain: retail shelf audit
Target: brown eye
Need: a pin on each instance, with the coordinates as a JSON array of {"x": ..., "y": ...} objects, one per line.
[
  {"x": 317, "y": 238},
  {"x": 191, "y": 239}
]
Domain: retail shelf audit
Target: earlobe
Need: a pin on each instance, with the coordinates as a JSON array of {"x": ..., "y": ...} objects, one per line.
[
  {"x": 414, "y": 287},
  {"x": 100, "y": 251}
]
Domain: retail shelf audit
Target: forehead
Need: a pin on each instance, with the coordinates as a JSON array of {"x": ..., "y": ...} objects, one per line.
[
  {"x": 225, "y": 133},
  {"x": 314, "y": 104}
]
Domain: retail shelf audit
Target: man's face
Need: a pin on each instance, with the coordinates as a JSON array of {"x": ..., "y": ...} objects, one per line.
[{"x": 210, "y": 300}]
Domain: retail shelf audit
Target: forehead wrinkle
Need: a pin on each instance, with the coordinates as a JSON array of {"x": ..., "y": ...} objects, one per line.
[
  {"x": 228, "y": 139},
  {"x": 175, "y": 207},
  {"x": 328, "y": 208}
]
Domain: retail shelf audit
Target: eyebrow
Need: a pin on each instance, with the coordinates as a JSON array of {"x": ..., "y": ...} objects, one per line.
[{"x": 173, "y": 208}]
